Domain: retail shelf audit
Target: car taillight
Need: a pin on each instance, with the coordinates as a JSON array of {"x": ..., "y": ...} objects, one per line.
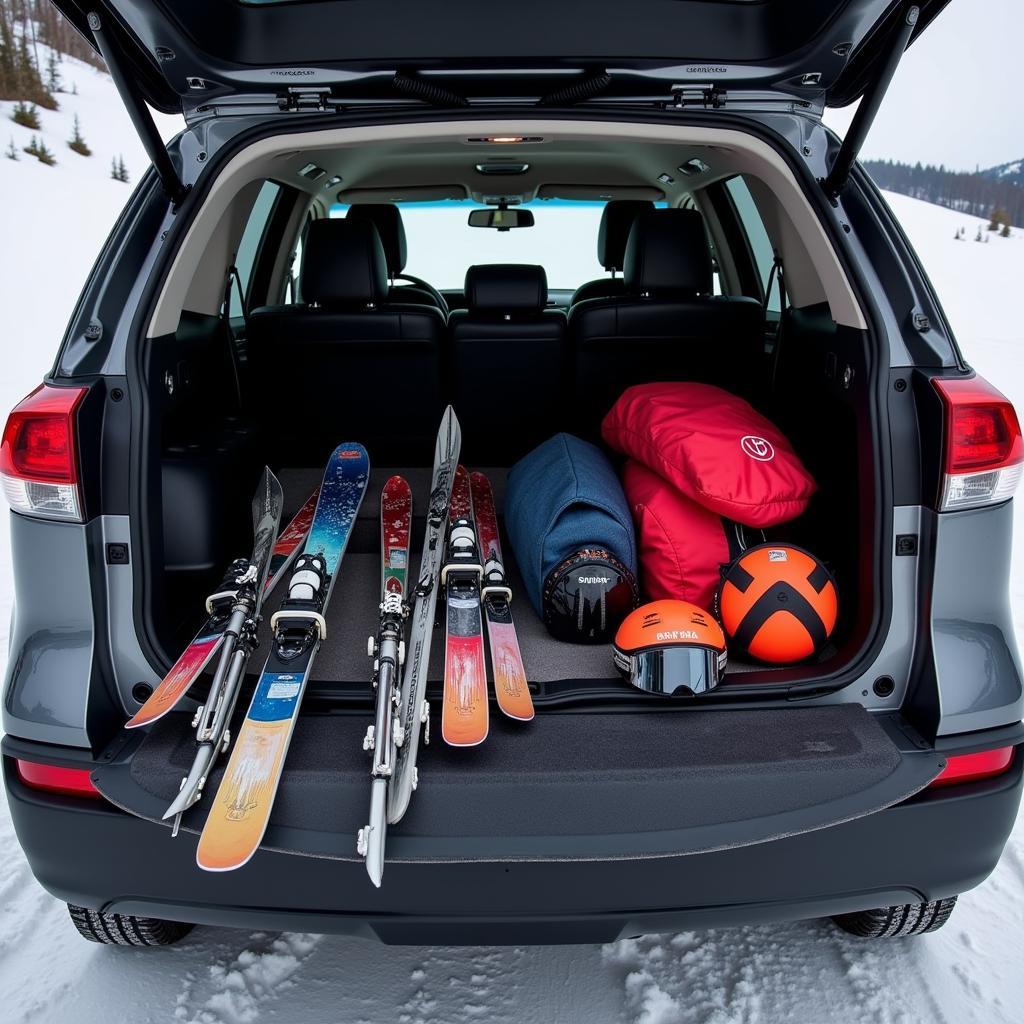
[
  {"x": 972, "y": 767},
  {"x": 38, "y": 456},
  {"x": 66, "y": 781},
  {"x": 983, "y": 450}
]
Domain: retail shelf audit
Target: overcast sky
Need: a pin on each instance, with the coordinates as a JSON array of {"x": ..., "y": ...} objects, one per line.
[{"x": 958, "y": 95}]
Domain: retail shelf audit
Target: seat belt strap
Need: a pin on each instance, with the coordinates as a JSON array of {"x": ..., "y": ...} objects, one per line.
[
  {"x": 233, "y": 279},
  {"x": 776, "y": 274}
]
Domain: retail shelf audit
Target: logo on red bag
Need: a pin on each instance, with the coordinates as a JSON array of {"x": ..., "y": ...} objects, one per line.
[{"x": 758, "y": 448}]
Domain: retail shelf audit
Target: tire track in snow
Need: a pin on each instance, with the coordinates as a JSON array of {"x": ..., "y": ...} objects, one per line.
[{"x": 237, "y": 989}]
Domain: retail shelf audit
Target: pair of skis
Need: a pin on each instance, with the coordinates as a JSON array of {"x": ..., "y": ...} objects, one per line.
[
  {"x": 475, "y": 589},
  {"x": 266, "y": 513},
  {"x": 450, "y": 559},
  {"x": 241, "y": 809}
]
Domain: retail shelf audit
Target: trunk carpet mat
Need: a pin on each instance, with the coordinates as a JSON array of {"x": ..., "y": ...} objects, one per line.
[
  {"x": 565, "y": 787},
  {"x": 352, "y": 614}
]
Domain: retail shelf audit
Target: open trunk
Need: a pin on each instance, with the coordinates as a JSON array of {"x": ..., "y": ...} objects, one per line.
[
  {"x": 229, "y": 389},
  {"x": 208, "y": 466}
]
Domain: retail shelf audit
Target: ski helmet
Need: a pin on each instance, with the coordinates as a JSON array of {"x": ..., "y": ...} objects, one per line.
[
  {"x": 777, "y": 603},
  {"x": 671, "y": 647},
  {"x": 587, "y": 595}
]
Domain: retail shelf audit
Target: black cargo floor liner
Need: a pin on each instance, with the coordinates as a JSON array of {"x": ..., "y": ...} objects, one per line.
[{"x": 566, "y": 786}]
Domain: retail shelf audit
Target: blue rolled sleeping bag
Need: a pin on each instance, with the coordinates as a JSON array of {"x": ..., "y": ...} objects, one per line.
[{"x": 572, "y": 536}]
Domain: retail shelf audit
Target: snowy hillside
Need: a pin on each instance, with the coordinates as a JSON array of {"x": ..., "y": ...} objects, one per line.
[
  {"x": 54, "y": 220},
  {"x": 1012, "y": 171}
]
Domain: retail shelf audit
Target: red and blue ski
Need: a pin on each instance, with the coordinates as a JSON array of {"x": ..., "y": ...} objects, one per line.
[
  {"x": 243, "y": 573},
  {"x": 241, "y": 809}
]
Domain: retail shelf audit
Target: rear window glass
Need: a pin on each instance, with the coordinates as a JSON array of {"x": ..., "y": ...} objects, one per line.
[
  {"x": 757, "y": 235},
  {"x": 249, "y": 246},
  {"x": 442, "y": 246}
]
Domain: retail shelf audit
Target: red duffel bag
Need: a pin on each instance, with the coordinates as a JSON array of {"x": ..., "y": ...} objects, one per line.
[
  {"x": 714, "y": 448},
  {"x": 682, "y": 547}
]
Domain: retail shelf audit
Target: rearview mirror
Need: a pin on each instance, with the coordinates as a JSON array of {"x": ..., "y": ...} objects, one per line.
[{"x": 501, "y": 219}]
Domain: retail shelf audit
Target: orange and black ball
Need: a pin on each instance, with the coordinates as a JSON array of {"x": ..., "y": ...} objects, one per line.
[{"x": 777, "y": 603}]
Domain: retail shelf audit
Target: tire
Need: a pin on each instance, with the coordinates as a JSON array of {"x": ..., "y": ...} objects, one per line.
[
  {"x": 894, "y": 922},
  {"x": 126, "y": 929}
]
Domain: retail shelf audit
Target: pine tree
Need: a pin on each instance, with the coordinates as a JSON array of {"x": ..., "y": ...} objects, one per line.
[
  {"x": 12, "y": 151},
  {"x": 1005, "y": 233},
  {"x": 77, "y": 142},
  {"x": 53, "y": 81},
  {"x": 118, "y": 170},
  {"x": 977, "y": 237},
  {"x": 33, "y": 147},
  {"x": 44, "y": 156},
  {"x": 26, "y": 115},
  {"x": 74, "y": 88},
  {"x": 997, "y": 218},
  {"x": 8, "y": 59},
  {"x": 27, "y": 81}
]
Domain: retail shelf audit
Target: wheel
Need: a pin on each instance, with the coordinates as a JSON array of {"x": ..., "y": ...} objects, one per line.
[
  {"x": 892, "y": 922},
  {"x": 126, "y": 929}
]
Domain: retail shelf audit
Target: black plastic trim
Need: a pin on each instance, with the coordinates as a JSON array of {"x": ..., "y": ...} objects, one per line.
[{"x": 938, "y": 844}]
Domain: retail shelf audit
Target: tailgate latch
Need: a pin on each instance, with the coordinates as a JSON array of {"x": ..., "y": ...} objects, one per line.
[
  {"x": 297, "y": 98},
  {"x": 707, "y": 96}
]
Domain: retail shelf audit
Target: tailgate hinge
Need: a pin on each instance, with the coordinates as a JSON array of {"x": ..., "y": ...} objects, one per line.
[
  {"x": 707, "y": 96},
  {"x": 304, "y": 99}
]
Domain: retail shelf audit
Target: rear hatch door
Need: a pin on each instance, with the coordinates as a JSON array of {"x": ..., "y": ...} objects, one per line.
[{"x": 190, "y": 53}]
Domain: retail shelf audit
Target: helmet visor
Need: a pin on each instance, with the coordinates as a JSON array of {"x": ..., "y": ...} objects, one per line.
[{"x": 671, "y": 671}]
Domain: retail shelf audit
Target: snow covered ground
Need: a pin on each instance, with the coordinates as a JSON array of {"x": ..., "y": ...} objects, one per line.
[{"x": 53, "y": 223}]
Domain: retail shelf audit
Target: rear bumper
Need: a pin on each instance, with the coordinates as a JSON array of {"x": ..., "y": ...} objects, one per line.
[{"x": 936, "y": 844}]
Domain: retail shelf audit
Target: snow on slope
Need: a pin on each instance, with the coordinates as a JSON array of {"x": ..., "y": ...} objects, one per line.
[{"x": 807, "y": 973}]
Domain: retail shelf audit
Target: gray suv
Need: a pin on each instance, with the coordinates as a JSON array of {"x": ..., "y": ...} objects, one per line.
[{"x": 871, "y": 784}]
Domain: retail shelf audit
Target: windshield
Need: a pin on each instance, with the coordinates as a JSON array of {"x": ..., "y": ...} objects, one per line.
[{"x": 442, "y": 246}]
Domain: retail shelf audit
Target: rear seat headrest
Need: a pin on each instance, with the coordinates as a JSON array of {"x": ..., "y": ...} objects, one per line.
[
  {"x": 668, "y": 254},
  {"x": 343, "y": 264},
  {"x": 616, "y": 221},
  {"x": 387, "y": 219},
  {"x": 506, "y": 288}
]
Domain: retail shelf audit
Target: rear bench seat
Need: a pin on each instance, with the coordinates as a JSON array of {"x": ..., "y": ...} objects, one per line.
[
  {"x": 347, "y": 365},
  {"x": 506, "y": 361},
  {"x": 350, "y": 364},
  {"x": 668, "y": 325}
]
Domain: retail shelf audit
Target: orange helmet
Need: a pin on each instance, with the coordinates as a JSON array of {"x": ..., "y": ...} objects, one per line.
[
  {"x": 671, "y": 647},
  {"x": 777, "y": 603}
]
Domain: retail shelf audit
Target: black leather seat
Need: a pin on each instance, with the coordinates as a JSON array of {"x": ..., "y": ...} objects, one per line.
[
  {"x": 507, "y": 359},
  {"x": 668, "y": 325},
  {"x": 349, "y": 365},
  {"x": 387, "y": 219},
  {"x": 617, "y": 219}
]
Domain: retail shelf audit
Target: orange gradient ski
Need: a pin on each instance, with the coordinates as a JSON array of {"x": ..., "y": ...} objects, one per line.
[
  {"x": 464, "y": 713},
  {"x": 239, "y": 815},
  {"x": 510, "y": 684},
  {"x": 184, "y": 672}
]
